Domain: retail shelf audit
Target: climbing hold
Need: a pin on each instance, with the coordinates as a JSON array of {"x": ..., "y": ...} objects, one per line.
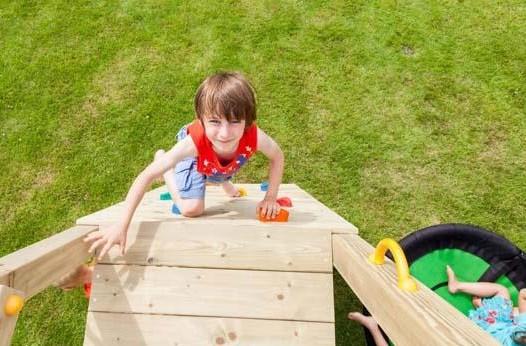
[
  {"x": 264, "y": 186},
  {"x": 242, "y": 191},
  {"x": 283, "y": 216},
  {"x": 284, "y": 202},
  {"x": 165, "y": 196},
  {"x": 175, "y": 209},
  {"x": 87, "y": 289},
  {"x": 13, "y": 304}
]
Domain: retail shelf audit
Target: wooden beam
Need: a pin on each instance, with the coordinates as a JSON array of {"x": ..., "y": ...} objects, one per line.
[
  {"x": 143, "y": 329},
  {"x": 306, "y": 213},
  {"x": 37, "y": 266},
  {"x": 7, "y": 323},
  {"x": 213, "y": 292},
  {"x": 5, "y": 275},
  {"x": 421, "y": 318},
  {"x": 223, "y": 246}
]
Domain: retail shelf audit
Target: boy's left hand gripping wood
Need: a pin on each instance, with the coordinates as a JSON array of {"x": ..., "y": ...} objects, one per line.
[{"x": 11, "y": 302}]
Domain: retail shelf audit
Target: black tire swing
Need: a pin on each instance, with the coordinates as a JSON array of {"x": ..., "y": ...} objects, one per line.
[{"x": 475, "y": 254}]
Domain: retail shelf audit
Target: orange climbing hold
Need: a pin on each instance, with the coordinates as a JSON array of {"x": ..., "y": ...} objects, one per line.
[
  {"x": 283, "y": 216},
  {"x": 13, "y": 304}
]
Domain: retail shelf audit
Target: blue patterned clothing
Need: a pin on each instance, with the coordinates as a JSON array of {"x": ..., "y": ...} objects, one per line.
[{"x": 495, "y": 316}]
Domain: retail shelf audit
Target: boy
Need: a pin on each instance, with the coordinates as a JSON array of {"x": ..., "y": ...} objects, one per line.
[{"x": 211, "y": 149}]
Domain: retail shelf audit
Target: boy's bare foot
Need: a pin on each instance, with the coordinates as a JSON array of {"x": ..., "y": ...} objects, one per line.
[
  {"x": 452, "y": 282},
  {"x": 76, "y": 278},
  {"x": 367, "y": 321},
  {"x": 230, "y": 189}
]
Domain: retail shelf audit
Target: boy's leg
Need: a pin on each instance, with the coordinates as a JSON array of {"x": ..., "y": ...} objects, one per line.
[
  {"x": 479, "y": 289},
  {"x": 186, "y": 186},
  {"x": 192, "y": 207},
  {"x": 230, "y": 189},
  {"x": 189, "y": 207},
  {"x": 370, "y": 323},
  {"x": 522, "y": 301},
  {"x": 168, "y": 180},
  {"x": 76, "y": 278}
]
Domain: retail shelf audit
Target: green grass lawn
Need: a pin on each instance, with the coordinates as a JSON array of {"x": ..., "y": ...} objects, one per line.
[{"x": 395, "y": 114}]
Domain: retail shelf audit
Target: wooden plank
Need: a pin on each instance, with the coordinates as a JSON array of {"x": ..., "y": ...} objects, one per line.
[
  {"x": 5, "y": 275},
  {"x": 37, "y": 266},
  {"x": 307, "y": 213},
  {"x": 213, "y": 292},
  {"x": 7, "y": 323},
  {"x": 139, "y": 329},
  {"x": 223, "y": 246},
  {"x": 421, "y": 318}
]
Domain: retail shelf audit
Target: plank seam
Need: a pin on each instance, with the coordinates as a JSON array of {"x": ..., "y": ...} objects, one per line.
[
  {"x": 213, "y": 268},
  {"x": 209, "y": 316}
]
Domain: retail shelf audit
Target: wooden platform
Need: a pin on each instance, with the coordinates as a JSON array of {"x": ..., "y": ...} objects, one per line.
[{"x": 221, "y": 279}]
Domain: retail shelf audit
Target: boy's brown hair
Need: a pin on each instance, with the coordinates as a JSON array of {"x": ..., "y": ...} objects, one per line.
[{"x": 226, "y": 94}]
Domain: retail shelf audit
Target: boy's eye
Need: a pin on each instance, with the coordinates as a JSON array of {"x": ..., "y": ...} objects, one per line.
[
  {"x": 214, "y": 122},
  {"x": 235, "y": 121}
]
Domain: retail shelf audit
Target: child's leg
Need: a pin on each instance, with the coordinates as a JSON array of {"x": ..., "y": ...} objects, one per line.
[
  {"x": 190, "y": 207},
  {"x": 230, "y": 189},
  {"x": 81, "y": 275},
  {"x": 370, "y": 323},
  {"x": 522, "y": 301},
  {"x": 479, "y": 289}
]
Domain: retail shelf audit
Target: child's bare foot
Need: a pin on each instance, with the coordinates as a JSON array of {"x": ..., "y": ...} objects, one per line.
[
  {"x": 370, "y": 323},
  {"x": 76, "y": 278},
  {"x": 230, "y": 189},
  {"x": 367, "y": 321},
  {"x": 452, "y": 282}
]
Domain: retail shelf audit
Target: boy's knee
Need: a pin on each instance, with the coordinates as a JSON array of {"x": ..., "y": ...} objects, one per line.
[
  {"x": 522, "y": 294},
  {"x": 191, "y": 213},
  {"x": 192, "y": 209}
]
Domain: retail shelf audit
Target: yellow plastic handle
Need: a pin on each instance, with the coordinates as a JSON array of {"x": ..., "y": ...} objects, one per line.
[
  {"x": 13, "y": 304},
  {"x": 405, "y": 281}
]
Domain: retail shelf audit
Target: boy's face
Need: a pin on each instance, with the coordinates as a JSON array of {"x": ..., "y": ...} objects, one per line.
[{"x": 223, "y": 134}]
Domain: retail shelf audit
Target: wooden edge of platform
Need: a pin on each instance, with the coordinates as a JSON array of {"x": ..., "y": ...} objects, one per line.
[
  {"x": 39, "y": 265},
  {"x": 419, "y": 318},
  {"x": 7, "y": 323},
  {"x": 213, "y": 292},
  {"x": 105, "y": 328}
]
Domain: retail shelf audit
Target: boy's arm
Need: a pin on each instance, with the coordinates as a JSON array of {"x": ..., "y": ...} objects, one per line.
[
  {"x": 116, "y": 234},
  {"x": 269, "y": 207}
]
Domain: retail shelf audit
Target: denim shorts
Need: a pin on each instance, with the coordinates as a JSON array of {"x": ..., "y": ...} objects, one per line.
[{"x": 190, "y": 183}]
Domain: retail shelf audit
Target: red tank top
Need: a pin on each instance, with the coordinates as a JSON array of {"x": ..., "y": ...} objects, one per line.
[{"x": 207, "y": 160}]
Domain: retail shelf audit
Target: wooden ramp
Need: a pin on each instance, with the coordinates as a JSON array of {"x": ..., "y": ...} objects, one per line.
[{"x": 221, "y": 279}]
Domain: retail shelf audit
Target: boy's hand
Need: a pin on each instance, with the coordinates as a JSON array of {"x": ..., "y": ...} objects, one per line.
[
  {"x": 113, "y": 235},
  {"x": 268, "y": 208}
]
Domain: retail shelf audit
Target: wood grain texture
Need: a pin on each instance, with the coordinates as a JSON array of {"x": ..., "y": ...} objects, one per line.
[
  {"x": 5, "y": 275},
  {"x": 306, "y": 213},
  {"x": 420, "y": 318},
  {"x": 7, "y": 323},
  {"x": 126, "y": 329},
  {"x": 223, "y": 246},
  {"x": 213, "y": 293},
  {"x": 37, "y": 266}
]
